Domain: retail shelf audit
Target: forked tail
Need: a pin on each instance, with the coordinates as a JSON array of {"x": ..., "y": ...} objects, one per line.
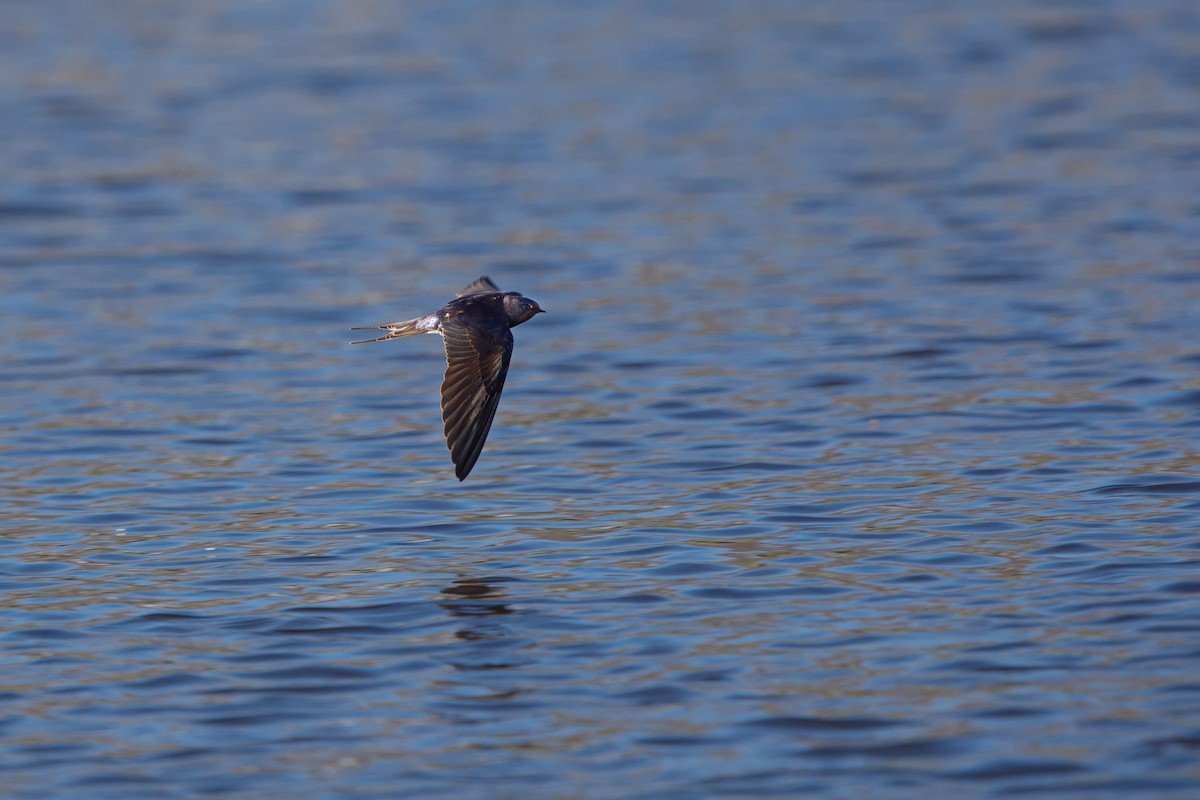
[{"x": 394, "y": 330}]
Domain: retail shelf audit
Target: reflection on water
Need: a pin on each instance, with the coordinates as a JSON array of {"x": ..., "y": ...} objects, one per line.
[{"x": 857, "y": 454}]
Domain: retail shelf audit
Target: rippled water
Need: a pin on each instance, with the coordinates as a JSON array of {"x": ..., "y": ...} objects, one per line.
[{"x": 857, "y": 455}]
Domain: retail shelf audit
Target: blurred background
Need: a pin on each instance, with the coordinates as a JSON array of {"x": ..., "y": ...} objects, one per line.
[{"x": 857, "y": 455}]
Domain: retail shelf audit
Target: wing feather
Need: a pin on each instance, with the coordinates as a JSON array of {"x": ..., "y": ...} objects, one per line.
[
  {"x": 476, "y": 366},
  {"x": 483, "y": 285}
]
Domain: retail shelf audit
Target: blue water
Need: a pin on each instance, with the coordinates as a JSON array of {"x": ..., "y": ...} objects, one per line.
[{"x": 857, "y": 456}]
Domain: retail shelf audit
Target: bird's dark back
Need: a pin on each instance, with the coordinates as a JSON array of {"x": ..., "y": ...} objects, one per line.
[{"x": 483, "y": 313}]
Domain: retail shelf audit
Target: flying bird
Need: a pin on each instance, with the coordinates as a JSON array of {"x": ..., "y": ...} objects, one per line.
[{"x": 476, "y": 329}]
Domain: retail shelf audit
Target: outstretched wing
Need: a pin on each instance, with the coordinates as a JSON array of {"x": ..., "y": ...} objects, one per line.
[
  {"x": 476, "y": 365},
  {"x": 482, "y": 286}
]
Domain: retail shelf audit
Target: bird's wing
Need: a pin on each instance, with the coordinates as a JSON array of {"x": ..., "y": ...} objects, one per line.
[
  {"x": 476, "y": 365},
  {"x": 482, "y": 286}
]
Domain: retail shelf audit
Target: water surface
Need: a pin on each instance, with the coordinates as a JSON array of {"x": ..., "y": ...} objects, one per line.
[{"x": 856, "y": 457}]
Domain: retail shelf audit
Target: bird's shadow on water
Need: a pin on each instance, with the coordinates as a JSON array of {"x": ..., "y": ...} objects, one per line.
[
  {"x": 480, "y": 607},
  {"x": 476, "y": 597}
]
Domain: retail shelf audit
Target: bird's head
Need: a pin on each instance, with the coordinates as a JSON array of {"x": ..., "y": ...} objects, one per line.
[{"x": 520, "y": 308}]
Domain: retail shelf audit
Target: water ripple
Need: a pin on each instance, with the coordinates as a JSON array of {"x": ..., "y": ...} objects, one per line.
[{"x": 854, "y": 456}]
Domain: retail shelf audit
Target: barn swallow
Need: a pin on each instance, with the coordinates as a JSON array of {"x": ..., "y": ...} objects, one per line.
[{"x": 476, "y": 329}]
